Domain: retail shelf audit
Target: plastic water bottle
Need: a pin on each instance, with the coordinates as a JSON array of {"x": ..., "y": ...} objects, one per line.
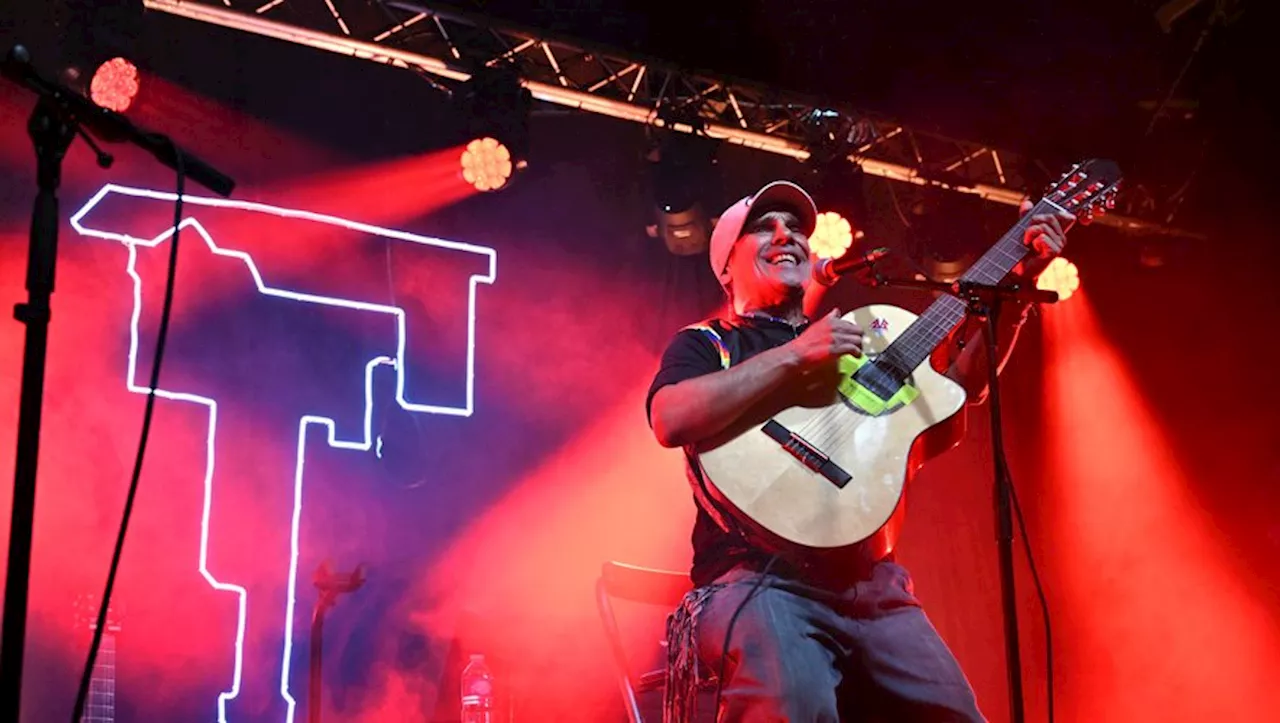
[{"x": 477, "y": 692}]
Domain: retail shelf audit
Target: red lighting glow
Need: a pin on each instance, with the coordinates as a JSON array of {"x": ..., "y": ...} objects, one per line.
[
  {"x": 486, "y": 164},
  {"x": 115, "y": 84},
  {"x": 543, "y": 544},
  {"x": 1125, "y": 525},
  {"x": 1061, "y": 276},
  {"x": 832, "y": 236}
]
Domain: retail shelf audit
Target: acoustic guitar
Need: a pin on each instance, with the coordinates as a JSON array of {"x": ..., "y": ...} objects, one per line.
[{"x": 829, "y": 479}]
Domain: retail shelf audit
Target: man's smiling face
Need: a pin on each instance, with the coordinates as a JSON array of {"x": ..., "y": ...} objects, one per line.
[{"x": 770, "y": 260}]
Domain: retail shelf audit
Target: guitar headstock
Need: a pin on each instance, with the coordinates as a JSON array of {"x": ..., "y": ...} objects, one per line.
[
  {"x": 86, "y": 613},
  {"x": 1087, "y": 190}
]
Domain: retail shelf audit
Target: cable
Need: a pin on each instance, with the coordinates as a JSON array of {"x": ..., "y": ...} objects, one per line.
[
  {"x": 724, "y": 651},
  {"x": 914, "y": 243},
  {"x": 161, "y": 335},
  {"x": 391, "y": 404},
  {"x": 893, "y": 195},
  {"x": 1035, "y": 576}
]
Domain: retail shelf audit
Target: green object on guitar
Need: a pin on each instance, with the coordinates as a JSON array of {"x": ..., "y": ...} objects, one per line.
[{"x": 864, "y": 398}]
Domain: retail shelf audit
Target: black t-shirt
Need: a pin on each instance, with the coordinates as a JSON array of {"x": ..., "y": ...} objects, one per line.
[{"x": 717, "y": 544}]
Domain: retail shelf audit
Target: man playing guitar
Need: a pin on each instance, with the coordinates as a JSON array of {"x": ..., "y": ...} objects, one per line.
[{"x": 800, "y": 640}]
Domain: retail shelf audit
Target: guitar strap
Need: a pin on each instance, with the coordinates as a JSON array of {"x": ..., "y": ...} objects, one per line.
[
  {"x": 712, "y": 330},
  {"x": 707, "y": 328}
]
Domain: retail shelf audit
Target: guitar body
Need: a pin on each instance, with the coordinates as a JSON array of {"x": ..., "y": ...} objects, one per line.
[{"x": 792, "y": 507}]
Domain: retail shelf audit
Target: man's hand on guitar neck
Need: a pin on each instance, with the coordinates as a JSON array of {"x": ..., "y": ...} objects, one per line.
[{"x": 1046, "y": 236}]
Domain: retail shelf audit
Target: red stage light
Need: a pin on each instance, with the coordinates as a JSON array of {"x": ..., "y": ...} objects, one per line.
[
  {"x": 486, "y": 164},
  {"x": 832, "y": 236},
  {"x": 1119, "y": 491},
  {"x": 115, "y": 84},
  {"x": 1061, "y": 276}
]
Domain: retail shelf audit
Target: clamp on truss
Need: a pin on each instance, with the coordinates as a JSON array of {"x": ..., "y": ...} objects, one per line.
[{"x": 439, "y": 40}]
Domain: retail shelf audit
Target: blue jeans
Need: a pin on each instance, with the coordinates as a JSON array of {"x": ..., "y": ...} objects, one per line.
[{"x": 804, "y": 655}]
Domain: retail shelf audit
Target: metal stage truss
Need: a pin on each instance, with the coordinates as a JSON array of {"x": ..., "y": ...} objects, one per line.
[{"x": 446, "y": 42}]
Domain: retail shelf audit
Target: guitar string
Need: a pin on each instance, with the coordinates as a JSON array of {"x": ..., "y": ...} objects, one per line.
[
  {"x": 831, "y": 414},
  {"x": 100, "y": 706},
  {"x": 928, "y": 323}
]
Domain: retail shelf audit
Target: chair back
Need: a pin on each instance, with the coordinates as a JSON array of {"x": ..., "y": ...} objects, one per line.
[{"x": 641, "y": 585}]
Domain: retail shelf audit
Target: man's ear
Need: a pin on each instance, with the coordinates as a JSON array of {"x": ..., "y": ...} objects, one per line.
[{"x": 725, "y": 282}]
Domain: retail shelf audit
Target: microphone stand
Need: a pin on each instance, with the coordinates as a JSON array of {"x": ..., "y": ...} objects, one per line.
[
  {"x": 983, "y": 301},
  {"x": 330, "y": 585},
  {"x": 59, "y": 116}
]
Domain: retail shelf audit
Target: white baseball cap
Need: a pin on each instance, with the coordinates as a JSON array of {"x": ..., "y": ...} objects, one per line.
[{"x": 776, "y": 195}]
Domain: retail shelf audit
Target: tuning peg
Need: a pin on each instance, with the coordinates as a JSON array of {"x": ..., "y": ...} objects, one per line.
[
  {"x": 1087, "y": 218},
  {"x": 1110, "y": 201}
]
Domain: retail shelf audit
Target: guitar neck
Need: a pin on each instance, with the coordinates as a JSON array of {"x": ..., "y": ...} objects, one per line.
[
  {"x": 914, "y": 346},
  {"x": 100, "y": 706}
]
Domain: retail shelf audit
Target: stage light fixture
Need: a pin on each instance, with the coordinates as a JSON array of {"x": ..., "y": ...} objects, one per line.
[
  {"x": 115, "y": 84},
  {"x": 832, "y": 135},
  {"x": 836, "y": 187},
  {"x": 832, "y": 236},
  {"x": 495, "y": 108},
  {"x": 946, "y": 231},
  {"x": 486, "y": 164},
  {"x": 99, "y": 57},
  {"x": 111, "y": 81},
  {"x": 1061, "y": 276},
  {"x": 682, "y": 170}
]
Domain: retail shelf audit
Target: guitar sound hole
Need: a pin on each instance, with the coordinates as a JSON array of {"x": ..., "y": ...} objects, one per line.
[{"x": 877, "y": 380}]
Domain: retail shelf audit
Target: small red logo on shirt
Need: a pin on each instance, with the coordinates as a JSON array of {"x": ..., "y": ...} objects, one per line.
[{"x": 880, "y": 326}]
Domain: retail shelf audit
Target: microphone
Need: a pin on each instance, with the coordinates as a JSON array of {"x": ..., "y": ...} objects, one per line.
[{"x": 828, "y": 271}]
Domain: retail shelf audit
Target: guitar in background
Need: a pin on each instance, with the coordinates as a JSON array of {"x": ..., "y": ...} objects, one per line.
[{"x": 100, "y": 705}]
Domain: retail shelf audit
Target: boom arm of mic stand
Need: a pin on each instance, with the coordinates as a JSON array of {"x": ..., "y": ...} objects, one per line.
[
  {"x": 969, "y": 290},
  {"x": 111, "y": 126}
]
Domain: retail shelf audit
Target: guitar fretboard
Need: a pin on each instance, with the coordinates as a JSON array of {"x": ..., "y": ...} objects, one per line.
[
  {"x": 914, "y": 346},
  {"x": 100, "y": 705}
]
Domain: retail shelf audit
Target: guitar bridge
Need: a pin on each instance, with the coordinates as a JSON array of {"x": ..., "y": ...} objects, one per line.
[{"x": 808, "y": 455}]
